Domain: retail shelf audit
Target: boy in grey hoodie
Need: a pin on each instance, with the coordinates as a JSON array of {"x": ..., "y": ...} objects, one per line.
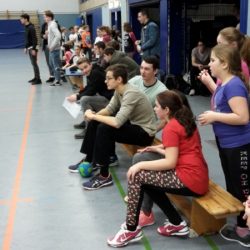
[{"x": 54, "y": 45}]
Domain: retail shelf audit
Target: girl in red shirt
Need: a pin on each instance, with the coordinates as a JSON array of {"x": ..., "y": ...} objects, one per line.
[{"x": 177, "y": 166}]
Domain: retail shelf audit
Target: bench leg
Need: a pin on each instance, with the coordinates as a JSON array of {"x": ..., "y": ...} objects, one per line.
[{"x": 204, "y": 223}]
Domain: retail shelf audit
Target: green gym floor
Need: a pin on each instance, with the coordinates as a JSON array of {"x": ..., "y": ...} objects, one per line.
[{"x": 42, "y": 205}]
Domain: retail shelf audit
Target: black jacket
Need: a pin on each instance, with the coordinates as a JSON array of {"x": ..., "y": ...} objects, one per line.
[
  {"x": 43, "y": 30},
  {"x": 96, "y": 84},
  {"x": 30, "y": 36}
]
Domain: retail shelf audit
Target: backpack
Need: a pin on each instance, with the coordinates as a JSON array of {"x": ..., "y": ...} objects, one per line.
[{"x": 60, "y": 30}]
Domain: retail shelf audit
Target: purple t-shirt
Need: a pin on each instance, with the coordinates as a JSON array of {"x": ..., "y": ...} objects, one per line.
[{"x": 230, "y": 136}]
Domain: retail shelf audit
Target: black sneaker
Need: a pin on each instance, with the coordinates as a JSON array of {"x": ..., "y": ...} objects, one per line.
[
  {"x": 81, "y": 125},
  {"x": 229, "y": 233},
  {"x": 32, "y": 80},
  {"x": 74, "y": 168},
  {"x": 37, "y": 81},
  {"x": 80, "y": 135},
  {"x": 51, "y": 79},
  {"x": 97, "y": 182},
  {"x": 63, "y": 78}
]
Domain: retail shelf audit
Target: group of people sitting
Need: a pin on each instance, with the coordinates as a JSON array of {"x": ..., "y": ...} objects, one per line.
[{"x": 120, "y": 105}]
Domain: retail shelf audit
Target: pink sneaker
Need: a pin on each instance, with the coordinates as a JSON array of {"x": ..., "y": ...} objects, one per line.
[
  {"x": 123, "y": 237},
  {"x": 170, "y": 229},
  {"x": 145, "y": 220}
]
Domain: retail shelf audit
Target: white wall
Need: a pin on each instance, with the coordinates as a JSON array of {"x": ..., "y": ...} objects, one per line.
[{"x": 56, "y": 6}]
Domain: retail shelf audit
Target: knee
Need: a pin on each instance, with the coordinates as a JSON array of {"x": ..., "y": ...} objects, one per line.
[
  {"x": 137, "y": 158},
  {"x": 104, "y": 130},
  {"x": 85, "y": 101}
]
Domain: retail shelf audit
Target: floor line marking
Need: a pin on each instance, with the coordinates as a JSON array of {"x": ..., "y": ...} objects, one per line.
[{"x": 17, "y": 182}]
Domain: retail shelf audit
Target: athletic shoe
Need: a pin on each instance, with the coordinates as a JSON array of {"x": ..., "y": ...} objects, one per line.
[
  {"x": 51, "y": 79},
  {"x": 229, "y": 233},
  {"x": 81, "y": 125},
  {"x": 56, "y": 83},
  {"x": 113, "y": 161},
  {"x": 170, "y": 229},
  {"x": 124, "y": 237},
  {"x": 145, "y": 220},
  {"x": 37, "y": 81},
  {"x": 32, "y": 80},
  {"x": 192, "y": 92},
  {"x": 97, "y": 182},
  {"x": 74, "y": 168},
  {"x": 80, "y": 135}
]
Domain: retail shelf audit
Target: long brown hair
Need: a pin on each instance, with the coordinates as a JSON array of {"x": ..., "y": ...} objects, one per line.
[
  {"x": 178, "y": 110},
  {"x": 232, "y": 57}
]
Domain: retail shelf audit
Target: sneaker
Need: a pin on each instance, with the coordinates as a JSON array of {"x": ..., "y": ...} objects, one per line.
[
  {"x": 97, "y": 182},
  {"x": 74, "y": 168},
  {"x": 80, "y": 135},
  {"x": 81, "y": 125},
  {"x": 145, "y": 220},
  {"x": 113, "y": 161},
  {"x": 32, "y": 80},
  {"x": 56, "y": 83},
  {"x": 229, "y": 233},
  {"x": 124, "y": 236},
  {"x": 37, "y": 81},
  {"x": 170, "y": 229},
  {"x": 192, "y": 92},
  {"x": 51, "y": 79}
]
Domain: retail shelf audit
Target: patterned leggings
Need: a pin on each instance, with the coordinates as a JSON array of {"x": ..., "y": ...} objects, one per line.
[{"x": 154, "y": 183}]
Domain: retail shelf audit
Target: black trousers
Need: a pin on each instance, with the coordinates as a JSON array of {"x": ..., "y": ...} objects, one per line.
[
  {"x": 100, "y": 139},
  {"x": 34, "y": 64},
  {"x": 236, "y": 167}
]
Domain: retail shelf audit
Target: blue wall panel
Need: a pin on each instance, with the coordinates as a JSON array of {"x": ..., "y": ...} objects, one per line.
[
  {"x": 11, "y": 34},
  {"x": 96, "y": 20}
]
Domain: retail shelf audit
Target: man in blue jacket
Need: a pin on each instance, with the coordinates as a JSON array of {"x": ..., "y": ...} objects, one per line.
[{"x": 149, "y": 45}]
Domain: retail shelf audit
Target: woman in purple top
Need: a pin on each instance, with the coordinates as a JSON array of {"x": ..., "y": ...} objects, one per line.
[{"x": 230, "y": 120}]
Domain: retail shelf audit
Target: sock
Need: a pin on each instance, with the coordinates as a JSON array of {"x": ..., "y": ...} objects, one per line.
[
  {"x": 131, "y": 228},
  {"x": 242, "y": 231}
]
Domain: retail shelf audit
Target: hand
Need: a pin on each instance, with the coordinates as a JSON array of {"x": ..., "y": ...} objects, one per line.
[
  {"x": 133, "y": 170},
  {"x": 206, "y": 118},
  {"x": 33, "y": 52},
  {"x": 205, "y": 77},
  {"x": 200, "y": 66},
  {"x": 89, "y": 114},
  {"x": 72, "y": 98},
  {"x": 138, "y": 48},
  {"x": 149, "y": 149},
  {"x": 137, "y": 42}
]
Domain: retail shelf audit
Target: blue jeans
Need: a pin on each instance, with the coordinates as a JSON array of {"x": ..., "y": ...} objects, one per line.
[{"x": 55, "y": 63}]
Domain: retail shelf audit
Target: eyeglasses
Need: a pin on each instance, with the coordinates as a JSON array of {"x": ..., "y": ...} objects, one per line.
[{"x": 109, "y": 78}]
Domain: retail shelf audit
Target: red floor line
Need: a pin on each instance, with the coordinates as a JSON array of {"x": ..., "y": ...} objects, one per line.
[{"x": 8, "y": 235}]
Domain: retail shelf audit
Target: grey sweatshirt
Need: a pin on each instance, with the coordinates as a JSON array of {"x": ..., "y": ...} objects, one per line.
[
  {"x": 135, "y": 107},
  {"x": 54, "y": 36}
]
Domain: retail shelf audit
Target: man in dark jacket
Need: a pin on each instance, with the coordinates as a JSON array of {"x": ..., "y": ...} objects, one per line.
[
  {"x": 31, "y": 47},
  {"x": 113, "y": 56},
  {"x": 95, "y": 95}
]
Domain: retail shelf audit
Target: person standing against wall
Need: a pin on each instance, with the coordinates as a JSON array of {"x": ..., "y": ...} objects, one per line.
[
  {"x": 54, "y": 46},
  {"x": 149, "y": 45},
  {"x": 31, "y": 47}
]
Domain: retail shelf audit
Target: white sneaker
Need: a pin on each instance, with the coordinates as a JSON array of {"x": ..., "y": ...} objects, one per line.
[{"x": 192, "y": 92}]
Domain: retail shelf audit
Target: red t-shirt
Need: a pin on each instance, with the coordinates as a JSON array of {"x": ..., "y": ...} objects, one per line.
[{"x": 191, "y": 166}]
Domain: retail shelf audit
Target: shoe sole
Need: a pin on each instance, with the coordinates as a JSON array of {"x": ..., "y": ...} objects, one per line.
[
  {"x": 184, "y": 234},
  {"x": 104, "y": 185},
  {"x": 73, "y": 170},
  {"x": 233, "y": 240},
  {"x": 138, "y": 238}
]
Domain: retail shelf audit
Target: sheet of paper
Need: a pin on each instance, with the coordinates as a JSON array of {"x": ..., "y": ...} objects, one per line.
[{"x": 73, "y": 108}]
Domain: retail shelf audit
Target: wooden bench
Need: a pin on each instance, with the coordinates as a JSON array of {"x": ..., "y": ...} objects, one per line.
[{"x": 206, "y": 214}]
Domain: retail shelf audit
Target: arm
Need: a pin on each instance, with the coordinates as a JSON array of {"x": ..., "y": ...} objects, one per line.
[
  {"x": 33, "y": 37},
  {"x": 239, "y": 115},
  {"x": 169, "y": 162},
  {"x": 153, "y": 34},
  {"x": 207, "y": 80},
  {"x": 57, "y": 34},
  {"x": 102, "y": 116}
]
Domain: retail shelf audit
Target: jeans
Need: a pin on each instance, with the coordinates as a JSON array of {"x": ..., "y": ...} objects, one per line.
[
  {"x": 46, "y": 53},
  {"x": 55, "y": 62},
  {"x": 33, "y": 59}
]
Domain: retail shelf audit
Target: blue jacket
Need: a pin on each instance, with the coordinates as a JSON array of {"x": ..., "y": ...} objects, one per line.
[{"x": 150, "y": 39}]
